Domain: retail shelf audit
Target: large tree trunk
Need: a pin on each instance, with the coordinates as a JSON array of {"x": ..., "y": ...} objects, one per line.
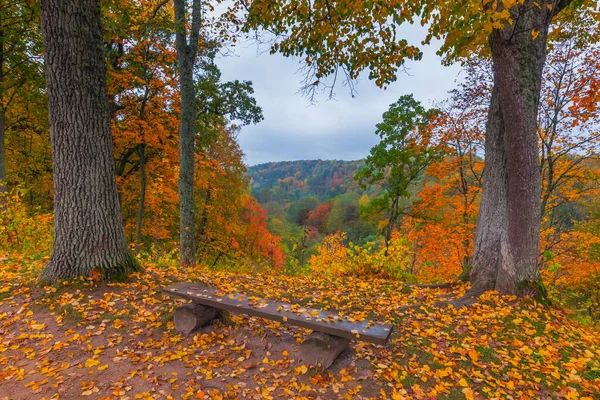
[
  {"x": 186, "y": 54},
  {"x": 508, "y": 231},
  {"x": 88, "y": 233},
  {"x": 3, "y": 187}
]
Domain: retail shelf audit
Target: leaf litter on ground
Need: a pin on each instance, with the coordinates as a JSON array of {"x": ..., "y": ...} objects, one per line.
[{"x": 85, "y": 339}]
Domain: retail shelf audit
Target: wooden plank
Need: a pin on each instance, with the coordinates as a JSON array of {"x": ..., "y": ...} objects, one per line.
[{"x": 322, "y": 321}]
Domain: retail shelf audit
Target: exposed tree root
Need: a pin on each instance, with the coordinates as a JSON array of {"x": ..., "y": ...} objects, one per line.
[
  {"x": 448, "y": 285},
  {"x": 465, "y": 301}
]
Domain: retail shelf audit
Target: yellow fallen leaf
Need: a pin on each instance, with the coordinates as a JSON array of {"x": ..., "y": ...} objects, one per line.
[
  {"x": 302, "y": 369},
  {"x": 468, "y": 393},
  {"x": 473, "y": 354},
  {"x": 91, "y": 362}
]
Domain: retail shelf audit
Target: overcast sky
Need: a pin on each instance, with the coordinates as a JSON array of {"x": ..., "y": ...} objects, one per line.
[{"x": 342, "y": 129}]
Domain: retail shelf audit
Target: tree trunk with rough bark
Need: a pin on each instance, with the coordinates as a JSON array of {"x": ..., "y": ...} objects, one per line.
[
  {"x": 88, "y": 231},
  {"x": 3, "y": 187},
  {"x": 187, "y": 51},
  {"x": 141, "y": 204},
  {"x": 508, "y": 230}
]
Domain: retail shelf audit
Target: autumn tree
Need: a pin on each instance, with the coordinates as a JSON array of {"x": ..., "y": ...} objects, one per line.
[
  {"x": 318, "y": 217},
  {"x": 88, "y": 233},
  {"x": 221, "y": 182},
  {"x": 219, "y": 156},
  {"x": 20, "y": 78},
  {"x": 345, "y": 38},
  {"x": 568, "y": 132},
  {"x": 142, "y": 87},
  {"x": 567, "y": 128},
  {"x": 232, "y": 226},
  {"x": 444, "y": 215},
  {"x": 398, "y": 160}
]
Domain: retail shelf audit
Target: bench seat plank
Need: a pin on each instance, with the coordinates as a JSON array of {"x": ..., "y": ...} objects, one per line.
[{"x": 321, "y": 321}]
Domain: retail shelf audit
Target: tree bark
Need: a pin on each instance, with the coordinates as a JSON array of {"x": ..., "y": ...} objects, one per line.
[
  {"x": 491, "y": 242},
  {"x": 88, "y": 232},
  {"x": 186, "y": 54},
  {"x": 140, "y": 213},
  {"x": 392, "y": 221},
  {"x": 508, "y": 230},
  {"x": 3, "y": 187},
  {"x": 204, "y": 217}
]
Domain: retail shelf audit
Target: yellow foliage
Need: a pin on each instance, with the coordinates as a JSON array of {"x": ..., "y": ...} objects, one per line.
[
  {"x": 22, "y": 228},
  {"x": 334, "y": 257}
]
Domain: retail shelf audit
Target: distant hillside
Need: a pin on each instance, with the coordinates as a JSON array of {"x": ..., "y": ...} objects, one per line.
[
  {"x": 288, "y": 181},
  {"x": 319, "y": 195}
]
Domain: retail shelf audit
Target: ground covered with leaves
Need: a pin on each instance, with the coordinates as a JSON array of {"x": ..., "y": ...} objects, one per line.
[{"x": 104, "y": 341}]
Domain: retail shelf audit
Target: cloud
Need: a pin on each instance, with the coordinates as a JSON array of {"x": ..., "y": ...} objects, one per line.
[{"x": 343, "y": 128}]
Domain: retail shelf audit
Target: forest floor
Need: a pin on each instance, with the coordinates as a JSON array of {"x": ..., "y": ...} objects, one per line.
[{"x": 104, "y": 341}]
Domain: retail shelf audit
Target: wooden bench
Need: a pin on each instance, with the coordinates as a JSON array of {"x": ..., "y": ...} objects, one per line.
[{"x": 332, "y": 331}]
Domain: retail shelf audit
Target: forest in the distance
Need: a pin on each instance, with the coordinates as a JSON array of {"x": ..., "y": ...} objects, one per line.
[{"x": 141, "y": 258}]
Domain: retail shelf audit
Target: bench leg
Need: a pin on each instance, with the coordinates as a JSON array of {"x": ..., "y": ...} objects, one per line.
[
  {"x": 322, "y": 349},
  {"x": 190, "y": 317}
]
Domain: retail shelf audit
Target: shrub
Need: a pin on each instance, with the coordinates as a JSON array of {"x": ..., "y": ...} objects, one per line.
[
  {"x": 24, "y": 229},
  {"x": 334, "y": 257}
]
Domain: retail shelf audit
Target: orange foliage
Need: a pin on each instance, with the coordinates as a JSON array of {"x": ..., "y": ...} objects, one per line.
[
  {"x": 318, "y": 217},
  {"x": 442, "y": 220},
  {"x": 443, "y": 228},
  {"x": 258, "y": 242},
  {"x": 143, "y": 83}
]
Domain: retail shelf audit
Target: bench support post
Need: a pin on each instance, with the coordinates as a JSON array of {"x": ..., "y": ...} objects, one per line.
[
  {"x": 322, "y": 349},
  {"x": 190, "y": 317}
]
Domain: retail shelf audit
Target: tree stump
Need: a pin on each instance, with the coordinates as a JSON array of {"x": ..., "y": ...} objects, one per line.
[
  {"x": 190, "y": 317},
  {"x": 322, "y": 349}
]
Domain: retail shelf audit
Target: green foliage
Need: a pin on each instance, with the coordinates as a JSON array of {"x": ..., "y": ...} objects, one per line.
[
  {"x": 404, "y": 150},
  {"x": 399, "y": 159},
  {"x": 298, "y": 211},
  {"x": 218, "y": 102},
  {"x": 23, "y": 103},
  {"x": 345, "y": 38}
]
